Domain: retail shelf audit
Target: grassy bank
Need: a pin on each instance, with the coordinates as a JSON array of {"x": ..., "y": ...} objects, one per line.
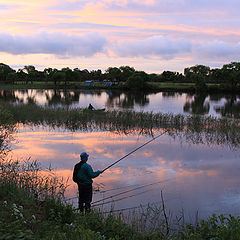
[{"x": 31, "y": 208}]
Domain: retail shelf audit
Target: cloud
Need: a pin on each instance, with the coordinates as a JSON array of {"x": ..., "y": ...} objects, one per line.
[
  {"x": 153, "y": 46},
  {"x": 88, "y": 25},
  {"x": 166, "y": 48},
  {"x": 55, "y": 43},
  {"x": 217, "y": 49}
]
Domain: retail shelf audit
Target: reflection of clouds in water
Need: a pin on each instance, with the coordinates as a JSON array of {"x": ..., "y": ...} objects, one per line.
[{"x": 199, "y": 176}]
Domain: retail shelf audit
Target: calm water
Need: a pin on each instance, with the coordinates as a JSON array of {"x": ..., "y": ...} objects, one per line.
[
  {"x": 193, "y": 177},
  {"x": 169, "y": 102}
]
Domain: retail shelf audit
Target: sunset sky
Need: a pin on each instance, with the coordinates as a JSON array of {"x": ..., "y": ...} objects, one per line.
[{"x": 149, "y": 35}]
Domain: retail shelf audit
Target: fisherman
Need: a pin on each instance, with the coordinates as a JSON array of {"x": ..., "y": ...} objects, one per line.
[
  {"x": 90, "y": 107},
  {"x": 82, "y": 175}
]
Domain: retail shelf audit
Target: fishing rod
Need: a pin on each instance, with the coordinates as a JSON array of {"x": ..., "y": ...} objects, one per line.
[{"x": 134, "y": 151}]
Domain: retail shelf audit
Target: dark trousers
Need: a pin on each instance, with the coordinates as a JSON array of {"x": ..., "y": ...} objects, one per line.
[{"x": 85, "y": 196}]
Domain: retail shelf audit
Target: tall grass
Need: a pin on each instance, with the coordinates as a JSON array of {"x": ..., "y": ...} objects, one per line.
[
  {"x": 7, "y": 127},
  {"x": 31, "y": 207},
  {"x": 194, "y": 128}
]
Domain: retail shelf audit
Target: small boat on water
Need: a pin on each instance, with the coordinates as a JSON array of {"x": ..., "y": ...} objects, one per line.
[
  {"x": 91, "y": 108},
  {"x": 95, "y": 110}
]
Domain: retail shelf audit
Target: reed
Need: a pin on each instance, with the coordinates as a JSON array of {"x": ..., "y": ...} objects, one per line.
[
  {"x": 31, "y": 207},
  {"x": 191, "y": 128}
]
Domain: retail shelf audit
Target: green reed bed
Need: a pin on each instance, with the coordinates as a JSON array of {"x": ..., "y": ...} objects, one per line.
[
  {"x": 6, "y": 129},
  {"x": 191, "y": 128}
]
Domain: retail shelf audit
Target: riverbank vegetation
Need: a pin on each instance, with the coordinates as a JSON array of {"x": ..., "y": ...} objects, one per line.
[
  {"x": 32, "y": 199},
  {"x": 194, "y": 78},
  {"x": 191, "y": 128},
  {"x": 31, "y": 207}
]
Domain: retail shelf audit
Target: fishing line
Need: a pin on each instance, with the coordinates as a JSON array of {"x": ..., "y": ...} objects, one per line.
[
  {"x": 116, "y": 200},
  {"x": 115, "y": 195},
  {"x": 141, "y": 206},
  {"x": 139, "y": 186},
  {"x": 134, "y": 150}
]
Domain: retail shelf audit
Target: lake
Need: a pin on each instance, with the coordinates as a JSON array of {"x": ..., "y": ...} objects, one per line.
[
  {"x": 200, "y": 177},
  {"x": 166, "y": 102}
]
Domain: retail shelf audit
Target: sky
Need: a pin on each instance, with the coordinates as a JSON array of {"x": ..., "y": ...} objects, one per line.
[{"x": 149, "y": 35}]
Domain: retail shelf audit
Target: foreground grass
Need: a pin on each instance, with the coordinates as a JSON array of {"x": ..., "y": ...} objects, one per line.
[{"x": 31, "y": 208}]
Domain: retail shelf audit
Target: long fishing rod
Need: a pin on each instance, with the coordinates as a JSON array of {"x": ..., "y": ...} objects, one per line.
[{"x": 134, "y": 151}]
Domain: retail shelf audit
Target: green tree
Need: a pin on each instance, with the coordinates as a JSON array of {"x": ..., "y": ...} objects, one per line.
[
  {"x": 69, "y": 76},
  {"x": 138, "y": 80},
  {"x": 197, "y": 69},
  {"x": 4, "y": 71},
  {"x": 200, "y": 82},
  {"x": 231, "y": 74},
  {"x": 12, "y": 77},
  {"x": 32, "y": 73},
  {"x": 58, "y": 76},
  {"x": 113, "y": 73},
  {"x": 126, "y": 72}
]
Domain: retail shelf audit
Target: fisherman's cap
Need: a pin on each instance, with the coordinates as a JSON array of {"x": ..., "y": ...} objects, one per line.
[{"x": 84, "y": 155}]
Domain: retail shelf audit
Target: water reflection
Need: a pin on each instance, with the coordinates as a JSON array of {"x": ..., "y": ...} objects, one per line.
[
  {"x": 192, "y": 177},
  {"x": 197, "y": 104},
  {"x": 166, "y": 102}
]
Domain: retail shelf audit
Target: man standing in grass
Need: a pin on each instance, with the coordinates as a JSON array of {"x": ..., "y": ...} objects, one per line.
[{"x": 83, "y": 175}]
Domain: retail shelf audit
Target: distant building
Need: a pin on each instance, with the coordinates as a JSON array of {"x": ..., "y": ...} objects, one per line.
[{"x": 89, "y": 83}]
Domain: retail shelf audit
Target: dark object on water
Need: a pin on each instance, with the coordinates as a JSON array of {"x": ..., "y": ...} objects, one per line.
[{"x": 90, "y": 107}]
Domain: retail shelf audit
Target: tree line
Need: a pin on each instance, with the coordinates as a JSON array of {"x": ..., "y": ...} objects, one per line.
[{"x": 228, "y": 75}]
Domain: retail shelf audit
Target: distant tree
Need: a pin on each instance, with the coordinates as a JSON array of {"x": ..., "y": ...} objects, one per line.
[
  {"x": 138, "y": 80},
  {"x": 12, "y": 77},
  {"x": 48, "y": 72},
  {"x": 58, "y": 76},
  {"x": 22, "y": 76},
  {"x": 96, "y": 74},
  {"x": 153, "y": 77},
  {"x": 200, "y": 82},
  {"x": 113, "y": 73},
  {"x": 29, "y": 69},
  {"x": 4, "y": 71},
  {"x": 126, "y": 72},
  {"x": 32, "y": 73},
  {"x": 69, "y": 76},
  {"x": 231, "y": 74},
  {"x": 85, "y": 75},
  {"x": 216, "y": 75},
  {"x": 201, "y": 70}
]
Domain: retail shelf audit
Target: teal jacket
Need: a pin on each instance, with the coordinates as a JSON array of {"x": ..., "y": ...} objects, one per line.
[{"x": 86, "y": 174}]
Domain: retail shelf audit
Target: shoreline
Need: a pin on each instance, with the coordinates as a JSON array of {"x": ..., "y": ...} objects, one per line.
[{"x": 151, "y": 87}]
